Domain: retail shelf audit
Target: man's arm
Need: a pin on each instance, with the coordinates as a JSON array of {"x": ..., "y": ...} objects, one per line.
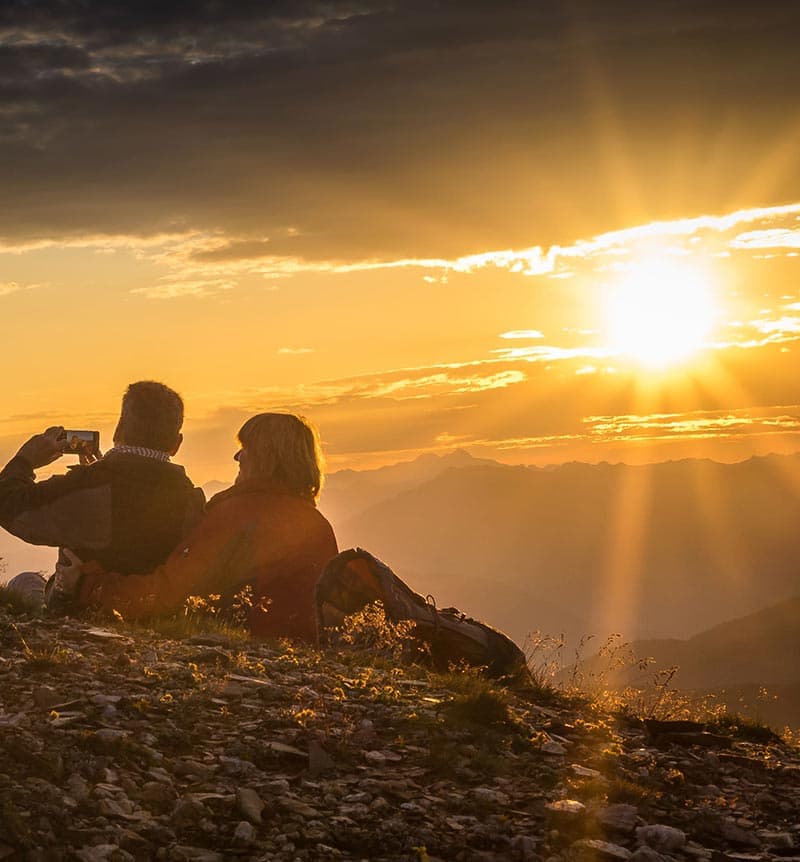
[
  {"x": 44, "y": 513},
  {"x": 16, "y": 481},
  {"x": 18, "y": 488},
  {"x": 217, "y": 554}
]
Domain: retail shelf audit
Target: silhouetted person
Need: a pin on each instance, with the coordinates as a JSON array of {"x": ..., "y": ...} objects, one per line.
[
  {"x": 265, "y": 533},
  {"x": 126, "y": 510}
]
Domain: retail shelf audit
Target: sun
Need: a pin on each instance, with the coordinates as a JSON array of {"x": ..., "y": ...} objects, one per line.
[{"x": 661, "y": 311}]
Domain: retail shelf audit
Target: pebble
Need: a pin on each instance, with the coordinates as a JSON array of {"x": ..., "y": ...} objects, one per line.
[
  {"x": 249, "y": 804},
  {"x": 647, "y": 854},
  {"x": 594, "y": 850},
  {"x": 244, "y": 834},
  {"x": 661, "y": 837},
  {"x": 151, "y": 763},
  {"x": 489, "y": 796},
  {"x": 376, "y": 758},
  {"x": 567, "y": 807},
  {"x": 618, "y": 818}
]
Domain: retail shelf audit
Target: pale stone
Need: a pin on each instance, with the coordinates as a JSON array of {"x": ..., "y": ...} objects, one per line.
[
  {"x": 585, "y": 771},
  {"x": 249, "y": 804},
  {"x": 647, "y": 854},
  {"x": 568, "y": 807},
  {"x": 490, "y": 797},
  {"x": 376, "y": 758},
  {"x": 618, "y": 818},
  {"x": 661, "y": 837},
  {"x": 297, "y": 806},
  {"x": 594, "y": 850},
  {"x": 777, "y": 840},
  {"x": 244, "y": 834}
]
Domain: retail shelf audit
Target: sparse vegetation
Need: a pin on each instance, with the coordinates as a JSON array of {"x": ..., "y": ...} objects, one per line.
[
  {"x": 44, "y": 658},
  {"x": 655, "y": 695},
  {"x": 371, "y": 632},
  {"x": 486, "y": 707},
  {"x": 404, "y": 751},
  {"x": 207, "y": 615}
]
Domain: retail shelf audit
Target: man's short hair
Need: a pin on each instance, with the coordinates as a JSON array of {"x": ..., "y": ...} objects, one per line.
[{"x": 152, "y": 416}]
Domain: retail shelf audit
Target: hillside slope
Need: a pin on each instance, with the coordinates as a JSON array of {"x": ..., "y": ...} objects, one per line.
[
  {"x": 753, "y": 658},
  {"x": 119, "y": 744}
]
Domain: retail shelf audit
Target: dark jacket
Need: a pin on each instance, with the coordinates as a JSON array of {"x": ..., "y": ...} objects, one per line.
[
  {"x": 126, "y": 512},
  {"x": 254, "y": 534}
]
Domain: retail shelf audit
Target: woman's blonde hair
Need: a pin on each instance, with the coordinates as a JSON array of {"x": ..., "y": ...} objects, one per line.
[{"x": 285, "y": 448}]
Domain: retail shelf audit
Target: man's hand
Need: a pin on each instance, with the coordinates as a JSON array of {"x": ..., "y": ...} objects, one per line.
[
  {"x": 87, "y": 458},
  {"x": 67, "y": 575},
  {"x": 43, "y": 449}
]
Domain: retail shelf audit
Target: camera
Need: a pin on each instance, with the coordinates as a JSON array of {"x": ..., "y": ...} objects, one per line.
[{"x": 82, "y": 443}]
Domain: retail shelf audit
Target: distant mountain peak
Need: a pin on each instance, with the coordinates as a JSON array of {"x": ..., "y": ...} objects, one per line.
[
  {"x": 455, "y": 455},
  {"x": 460, "y": 455}
]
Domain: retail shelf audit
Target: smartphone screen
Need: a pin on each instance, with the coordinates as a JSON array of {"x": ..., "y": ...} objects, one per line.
[{"x": 82, "y": 442}]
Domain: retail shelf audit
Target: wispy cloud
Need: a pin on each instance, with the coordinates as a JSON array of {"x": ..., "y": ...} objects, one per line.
[
  {"x": 202, "y": 263},
  {"x": 100, "y": 242},
  {"x": 785, "y": 325},
  {"x": 694, "y": 425},
  {"x": 552, "y": 353},
  {"x": 522, "y": 333},
  {"x": 656, "y": 428},
  {"x": 233, "y": 257},
  {"x": 294, "y": 351},
  {"x": 774, "y": 238},
  {"x": 8, "y": 287},
  {"x": 169, "y": 289},
  {"x": 403, "y": 384}
]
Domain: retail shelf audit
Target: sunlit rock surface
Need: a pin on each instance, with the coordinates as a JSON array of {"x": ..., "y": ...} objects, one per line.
[{"x": 120, "y": 744}]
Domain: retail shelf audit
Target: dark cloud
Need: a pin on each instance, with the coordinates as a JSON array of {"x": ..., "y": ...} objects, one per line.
[{"x": 390, "y": 129}]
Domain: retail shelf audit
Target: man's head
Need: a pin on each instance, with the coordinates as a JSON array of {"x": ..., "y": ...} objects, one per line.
[{"x": 152, "y": 415}]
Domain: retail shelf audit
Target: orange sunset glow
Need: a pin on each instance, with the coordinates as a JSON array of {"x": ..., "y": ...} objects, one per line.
[
  {"x": 552, "y": 249},
  {"x": 661, "y": 312}
]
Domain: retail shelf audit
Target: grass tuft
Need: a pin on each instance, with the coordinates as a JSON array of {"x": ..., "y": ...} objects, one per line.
[
  {"x": 487, "y": 708},
  {"x": 207, "y": 615}
]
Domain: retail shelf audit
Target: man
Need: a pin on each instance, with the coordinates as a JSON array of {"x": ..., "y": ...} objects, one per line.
[{"x": 125, "y": 510}]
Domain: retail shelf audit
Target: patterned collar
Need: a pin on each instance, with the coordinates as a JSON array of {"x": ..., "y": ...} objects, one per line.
[{"x": 143, "y": 451}]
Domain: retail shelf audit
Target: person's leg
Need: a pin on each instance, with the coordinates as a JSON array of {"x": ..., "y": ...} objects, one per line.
[{"x": 29, "y": 585}]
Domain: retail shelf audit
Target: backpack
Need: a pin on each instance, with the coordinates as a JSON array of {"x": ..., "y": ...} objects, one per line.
[{"x": 355, "y": 578}]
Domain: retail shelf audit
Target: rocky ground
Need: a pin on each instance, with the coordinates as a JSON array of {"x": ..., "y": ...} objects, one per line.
[{"x": 120, "y": 744}]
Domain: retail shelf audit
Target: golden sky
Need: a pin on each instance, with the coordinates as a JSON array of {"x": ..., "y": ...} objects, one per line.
[{"x": 539, "y": 234}]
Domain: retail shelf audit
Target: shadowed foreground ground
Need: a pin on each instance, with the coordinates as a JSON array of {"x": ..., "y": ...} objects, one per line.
[{"x": 120, "y": 744}]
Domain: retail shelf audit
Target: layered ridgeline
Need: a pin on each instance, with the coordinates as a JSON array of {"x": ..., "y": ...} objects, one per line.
[
  {"x": 665, "y": 550},
  {"x": 119, "y": 744}
]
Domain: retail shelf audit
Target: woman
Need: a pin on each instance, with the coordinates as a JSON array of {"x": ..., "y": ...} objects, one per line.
[{"x": 264, "y": 532}]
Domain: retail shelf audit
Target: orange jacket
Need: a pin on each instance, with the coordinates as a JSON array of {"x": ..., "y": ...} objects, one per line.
[{"x": 253, "y": 534}]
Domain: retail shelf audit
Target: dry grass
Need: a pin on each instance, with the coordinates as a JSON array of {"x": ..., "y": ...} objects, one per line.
[{"x": 656, "y": 696}]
